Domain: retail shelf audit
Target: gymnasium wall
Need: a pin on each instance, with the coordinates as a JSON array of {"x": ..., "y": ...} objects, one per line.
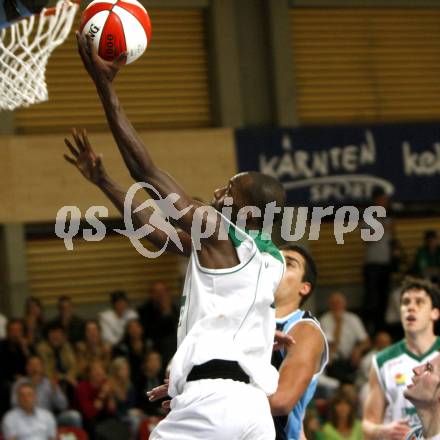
[{"x": 212, "y": 66}]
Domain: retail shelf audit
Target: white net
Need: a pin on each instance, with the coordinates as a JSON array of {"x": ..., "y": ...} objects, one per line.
[{"x": 25, "y": 47}]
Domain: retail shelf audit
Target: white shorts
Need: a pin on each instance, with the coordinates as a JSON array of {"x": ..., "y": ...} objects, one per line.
[{"x": 217, "y": 409}]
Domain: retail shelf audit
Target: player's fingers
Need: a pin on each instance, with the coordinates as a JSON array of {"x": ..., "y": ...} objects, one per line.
[
  {"x": 72, "y": 149},
  {"x": 78, "y": 140},
  {"x": 80, "y": 44},
  {"x": 120, "y": 60},
  {"x": 69, "y": 159},
  {"x": 85, "y": 140},
  {"x": 89, "y": 44}
]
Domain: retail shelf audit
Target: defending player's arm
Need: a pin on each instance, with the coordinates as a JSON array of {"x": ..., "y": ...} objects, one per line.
[
  {"x": 137, "y": 158},
  {"x": 374, "y": 411},
  {"x": 301, "y": 362},
  {"x": 91, "y": 167}
]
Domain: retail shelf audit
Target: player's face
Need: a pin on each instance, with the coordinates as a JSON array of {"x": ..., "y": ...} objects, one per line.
[
  {"x": 232, "y": 190},
  {"x": 416, "y": 311},
  {"x": 292, "y": 286},
  {"x": 425, "y": 387}
]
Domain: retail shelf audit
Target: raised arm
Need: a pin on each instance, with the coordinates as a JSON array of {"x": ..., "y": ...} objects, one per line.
[
  {"x": 136, "y": 157},
  {"x": 90, "y": 166}
]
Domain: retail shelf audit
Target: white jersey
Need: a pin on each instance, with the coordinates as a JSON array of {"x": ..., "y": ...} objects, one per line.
[
  {"x": 394, "y": 367},
  {"x": 230, "y": 314}
]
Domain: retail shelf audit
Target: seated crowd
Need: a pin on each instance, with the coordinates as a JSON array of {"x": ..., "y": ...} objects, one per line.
[{"x": 86, "y": 374}]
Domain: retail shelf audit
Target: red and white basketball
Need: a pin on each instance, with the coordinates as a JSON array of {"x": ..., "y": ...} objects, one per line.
[{"x": 117, "y": 26}]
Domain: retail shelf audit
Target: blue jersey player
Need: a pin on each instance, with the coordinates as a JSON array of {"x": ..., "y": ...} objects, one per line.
[{"x": 299, "y": 364}]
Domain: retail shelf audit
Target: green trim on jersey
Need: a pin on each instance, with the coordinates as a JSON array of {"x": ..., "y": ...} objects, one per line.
[
  {"x": 262, "y": 244},
  {"x": 400, "y": 348}
]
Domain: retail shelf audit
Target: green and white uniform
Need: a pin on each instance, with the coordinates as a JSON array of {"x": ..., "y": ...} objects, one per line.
[
  {"x": 226, "y": 314},
  {"x": 394, "y": 367}
]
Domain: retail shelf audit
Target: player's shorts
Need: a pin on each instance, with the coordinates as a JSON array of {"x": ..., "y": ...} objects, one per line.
[{"x": 217, "y": 409}]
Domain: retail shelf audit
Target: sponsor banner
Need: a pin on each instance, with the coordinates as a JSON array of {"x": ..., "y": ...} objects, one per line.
[{"x": 344, "y": 164}]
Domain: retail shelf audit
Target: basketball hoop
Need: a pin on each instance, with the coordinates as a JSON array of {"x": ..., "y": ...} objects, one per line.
[{"x": 25, "y": 47}]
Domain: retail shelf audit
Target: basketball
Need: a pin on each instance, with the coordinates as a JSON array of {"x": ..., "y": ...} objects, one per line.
[{"x": 117, "y": 26}]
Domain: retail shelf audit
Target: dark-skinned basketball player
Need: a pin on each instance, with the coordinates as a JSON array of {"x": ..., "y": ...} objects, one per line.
[{"x": 221, "y": 373}]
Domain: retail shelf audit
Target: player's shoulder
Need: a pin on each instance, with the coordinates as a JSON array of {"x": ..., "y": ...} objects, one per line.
[
  {"x": 302, "y": 318},
  {"x": 309, "y": 316},
  {"x": 387, "y": 354}
]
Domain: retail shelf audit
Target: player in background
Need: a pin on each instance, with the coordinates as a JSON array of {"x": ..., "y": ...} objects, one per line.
[
  {"x": 301, "y": 363},
  {"x": 424, "y": 394},
  {"x": 388, "y": 414},
  {"x": 227, "y": 324}
]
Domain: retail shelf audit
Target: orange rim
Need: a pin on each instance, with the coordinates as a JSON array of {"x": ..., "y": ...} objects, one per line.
[{"x": 51, "y": 11}]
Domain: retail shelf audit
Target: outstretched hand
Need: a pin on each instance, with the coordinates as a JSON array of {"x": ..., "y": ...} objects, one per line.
[
  {"x": 101, "y": 71},
  {"x": 84, "y": 158}
]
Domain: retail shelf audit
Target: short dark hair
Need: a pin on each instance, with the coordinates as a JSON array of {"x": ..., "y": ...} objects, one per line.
[
  {"x": 432, "y": 290},
  {"x": 310, "y": 271},
  {"x": 118, "y": 295},
  {"x": 263, "y": 189}
]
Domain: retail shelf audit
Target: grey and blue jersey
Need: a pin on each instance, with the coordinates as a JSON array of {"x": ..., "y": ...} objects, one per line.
[{"x": 289, "y": 427}]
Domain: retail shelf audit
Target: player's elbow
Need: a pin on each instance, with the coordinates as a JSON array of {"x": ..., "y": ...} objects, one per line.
[
  {"x": 368, "y": 429},
  {"x": 281, "y": 404}
]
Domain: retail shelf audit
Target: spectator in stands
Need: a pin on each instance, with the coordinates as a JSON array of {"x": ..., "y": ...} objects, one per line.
[
  {"x": 27, "y": 421},
  {"x": 95, "y": 397},
  {"x": 377, "y": 267},
  {"x": 133, "y": 347},
  {"x": 159, "y": 317},
  {"x": 152, "y": 377},
  {"x": 114, "y": 320},
  {"x": 73, "y": 325},
  {"x": 14, "y": 350},
  {"x": 382, "y": 340},
  {"x": 49, "y": 394},
  {"x": 93, "y": 348},
  {"x": 3, "y": 323},
  {"x": 427, "y": 259},
  {"x": 342, "y": 424},
  {"x": 58, "y": 358},
  {"x": 124, "y": 395},
  {"x": 34, "y": 321},
  {"x": 347, "y": 338}
]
